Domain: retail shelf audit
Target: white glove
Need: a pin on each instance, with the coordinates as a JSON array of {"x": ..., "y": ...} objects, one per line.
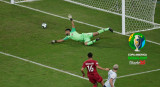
[
  {"x": 70, "y": 17},
  {"x": 53, "y": 41}
]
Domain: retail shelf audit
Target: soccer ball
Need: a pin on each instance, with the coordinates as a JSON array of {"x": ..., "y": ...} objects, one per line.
[{"x": 44, "y": 25}]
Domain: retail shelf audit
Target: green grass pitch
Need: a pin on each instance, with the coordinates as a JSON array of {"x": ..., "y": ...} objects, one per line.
[{"x": 21, "y": 35}]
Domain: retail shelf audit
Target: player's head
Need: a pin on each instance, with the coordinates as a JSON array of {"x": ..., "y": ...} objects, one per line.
[
  {"x": 90, "y": 55},
  {"x": 67, "y": 31},
  {"x": 115, "y": 67}
]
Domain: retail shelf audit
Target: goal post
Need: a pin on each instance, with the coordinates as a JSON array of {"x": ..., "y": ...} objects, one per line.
[
  {"x": 137, "y": 15},
  {"x": 123, "y": 17},
  {"x": 12, "y": 1}
]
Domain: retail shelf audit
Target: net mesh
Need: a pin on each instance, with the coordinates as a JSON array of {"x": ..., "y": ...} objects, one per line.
[{"x": 139, "y": 14}]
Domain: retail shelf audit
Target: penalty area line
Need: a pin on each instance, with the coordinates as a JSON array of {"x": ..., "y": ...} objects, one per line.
[
  {"x": 62, "y": 71},
  {"x": 37, "y": 10}
]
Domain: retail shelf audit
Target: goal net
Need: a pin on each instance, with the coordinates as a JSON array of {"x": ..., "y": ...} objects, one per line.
[{"x": 137, "y": 15}]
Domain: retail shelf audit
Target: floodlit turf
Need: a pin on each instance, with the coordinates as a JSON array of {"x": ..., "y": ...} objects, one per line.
[{"x": 21, "y": 35}]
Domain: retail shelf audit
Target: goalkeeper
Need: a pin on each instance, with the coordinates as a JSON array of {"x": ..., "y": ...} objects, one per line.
[{"x": 84, "y": 37}]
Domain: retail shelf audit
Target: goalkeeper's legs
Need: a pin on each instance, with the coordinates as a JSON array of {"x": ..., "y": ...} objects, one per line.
[
  {"x": 95, "y": 33},
  {"x": 88, "y": 43},
  {"x": 101, "y": 31}
]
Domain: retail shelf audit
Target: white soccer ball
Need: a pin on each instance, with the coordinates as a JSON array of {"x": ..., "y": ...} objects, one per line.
[{"x": 44, "y": 25}]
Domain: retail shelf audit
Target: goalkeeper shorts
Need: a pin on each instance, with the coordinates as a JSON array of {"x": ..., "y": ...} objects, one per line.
[{"x": 87, "y": 36}]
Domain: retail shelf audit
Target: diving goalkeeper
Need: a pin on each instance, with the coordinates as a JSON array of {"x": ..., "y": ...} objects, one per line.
[{"x": 84, "y": 37}]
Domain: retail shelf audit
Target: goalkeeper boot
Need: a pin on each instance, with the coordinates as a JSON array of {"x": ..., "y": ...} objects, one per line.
[
  {"x": 110, "y": 29},
  {"x": 97, "y": 39}
]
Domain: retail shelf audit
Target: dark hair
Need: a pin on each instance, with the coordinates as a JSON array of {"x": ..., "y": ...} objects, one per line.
[
  {"x": 90, "y": 55},
  {"x": 68, "y": 29}
]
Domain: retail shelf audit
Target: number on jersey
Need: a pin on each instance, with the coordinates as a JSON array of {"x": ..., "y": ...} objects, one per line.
[{"x": 90, "y": 68}]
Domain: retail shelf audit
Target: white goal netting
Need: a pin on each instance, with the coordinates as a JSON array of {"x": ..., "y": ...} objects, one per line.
[{"x": 139, "y": 14}]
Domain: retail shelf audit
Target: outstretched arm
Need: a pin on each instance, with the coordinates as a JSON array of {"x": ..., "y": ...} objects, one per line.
[
  {"x": 71, "y": 19},
  {"x": 57, "y": 41},
  {"x": 61, "y": 40},
  {"x": 72, "y": 24},
  {"x": 106, "y": 69}
]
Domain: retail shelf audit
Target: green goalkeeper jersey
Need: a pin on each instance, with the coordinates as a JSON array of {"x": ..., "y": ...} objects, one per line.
[{"x": 74, "y": 35}]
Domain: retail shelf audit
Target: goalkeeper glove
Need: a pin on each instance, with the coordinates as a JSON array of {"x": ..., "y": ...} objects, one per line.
[
  {"x": 70, "y": 17},
  {"x": 54, "y": 41}
]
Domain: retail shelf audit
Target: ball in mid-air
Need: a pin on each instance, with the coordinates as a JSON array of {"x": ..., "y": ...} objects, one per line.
[{"x": 44, "y": 25}]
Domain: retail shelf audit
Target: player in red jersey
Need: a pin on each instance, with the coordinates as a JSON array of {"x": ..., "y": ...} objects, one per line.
[{"x": 92, "y": 66}]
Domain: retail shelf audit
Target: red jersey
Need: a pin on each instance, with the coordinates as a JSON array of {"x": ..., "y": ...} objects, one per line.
[{"x": 91, "y": 66}]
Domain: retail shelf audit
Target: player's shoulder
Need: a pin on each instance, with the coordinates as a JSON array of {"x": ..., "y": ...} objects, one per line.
[
  {"x": 86, "y": 61},
  {"x": 68, "y": 36},
  {"x": 112, "y": 72},
  {"x": 91, "y": 60},
  {"x": 95, "y": 61}
]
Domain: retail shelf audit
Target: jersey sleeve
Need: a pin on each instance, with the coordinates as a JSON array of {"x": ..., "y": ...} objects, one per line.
[
  {"x": 96, "y": 63},
  {"x": 66, "y": 38},
  {"x": 73, "y": 29},
  {"x": 113, "y": 76},
  {"x": 83, "y": 66}
]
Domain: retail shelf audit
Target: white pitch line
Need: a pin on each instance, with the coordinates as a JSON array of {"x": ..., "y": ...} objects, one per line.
[
  {"x": 153, "y": 42},
  {"x": 26, "y": 1},
  {"x": 68, "y": 19},
  {"x": 62, "y": 71},
  {"x": 138, "y": 73},
  {"x": 39, "y": 64}
]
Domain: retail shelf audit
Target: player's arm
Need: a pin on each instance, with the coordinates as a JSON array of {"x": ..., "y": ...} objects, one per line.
[
  {"x": 106, "y": 69},
  {"x": 57, "y": 41},
  {"x": 71, "y": 19},
  {"x": 61, "y": 40},
  {"x": 73, "y": 26},
  {"x": 82, "y": 70},
  {"x": 111, "y": 82}
]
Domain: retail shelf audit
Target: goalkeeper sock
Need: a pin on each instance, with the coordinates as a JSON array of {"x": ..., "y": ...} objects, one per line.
[
  {"x": 94, "y": 41},
  {"x": 102, "y": 30},
  {"x": 91, "y": 42}
]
